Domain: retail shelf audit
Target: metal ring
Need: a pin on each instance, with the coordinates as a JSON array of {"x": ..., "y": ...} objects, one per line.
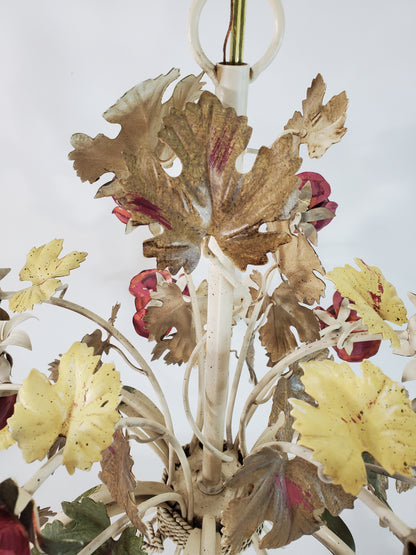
[{"x": 205, "y": 63}]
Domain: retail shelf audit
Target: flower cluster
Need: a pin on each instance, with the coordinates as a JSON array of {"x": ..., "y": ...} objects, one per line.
[{"x": 361, "y": 349}]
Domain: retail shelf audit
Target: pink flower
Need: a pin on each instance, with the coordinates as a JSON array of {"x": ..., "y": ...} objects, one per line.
[
  {"x": 361, "y": 349},
  {"x": 320, "y": 197}
]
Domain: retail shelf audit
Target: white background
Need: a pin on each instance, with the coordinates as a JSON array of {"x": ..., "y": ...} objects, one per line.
[{"x": 62, "y": 64}]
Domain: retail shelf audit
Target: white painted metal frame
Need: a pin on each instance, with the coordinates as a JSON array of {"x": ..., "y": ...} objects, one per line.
[{"x": 211, "y": 69}]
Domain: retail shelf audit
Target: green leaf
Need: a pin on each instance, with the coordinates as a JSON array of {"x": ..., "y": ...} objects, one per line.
[
  {"x": 128, "y": 543},
  {"x": 338, "y": 526},
  {"x": 88, "y": 520}
]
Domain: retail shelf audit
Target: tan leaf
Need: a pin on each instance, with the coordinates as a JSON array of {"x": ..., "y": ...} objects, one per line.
[
  {"x": 276, "y": 334},
  {"x": 176, "y": 313},
  {"x": 139, "y": 112},
  {"x": 320, "y": 126},
  {"x": 288, "y": 493},
  {"x": 116, "y": 474},
  {"x": 209, "y": 197},
  {"x": 217, "y": 200},
  {"x": 298, "y": 261}
]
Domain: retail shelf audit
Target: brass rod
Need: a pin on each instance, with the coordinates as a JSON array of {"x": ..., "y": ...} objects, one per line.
[{"x": 238, "y": 8}]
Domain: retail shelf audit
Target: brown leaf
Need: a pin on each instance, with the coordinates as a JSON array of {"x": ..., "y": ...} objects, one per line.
[
  {"x": 209, "y": 197},
  {"x": 44, "y": 515},
  {"x": 216, "y": 199},
  {"x": 139, "y": 112},
  {"x": 298, "y": 261},
  {"x": 286, "y": 492},
  {"x": 276, "y": 334},
  {"x": 320, "y": 126},
  {"x": 291, "y": 387},
  {"x": 176, "y": 313},
  {"x": 116, "y": 474},
  {"x": 96, "y": 341},
  {"x": 53, "y": 368}
]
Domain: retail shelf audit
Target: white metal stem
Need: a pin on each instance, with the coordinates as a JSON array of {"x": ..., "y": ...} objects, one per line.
[
  {"x": 199, "y": 332},
  {"x": 211, "y": 69},
  {"x": 159, "y": 429},
  {"x": 385, "y": 514},
  {"x": 262, "y": 388},
  {"x": 124, "y": 521},
  {"x": 26, "y": 492},
  {"x": 332, "y": 541},
  {"x": 208, "y": 536},
  {"x": 243, "y": 354}
]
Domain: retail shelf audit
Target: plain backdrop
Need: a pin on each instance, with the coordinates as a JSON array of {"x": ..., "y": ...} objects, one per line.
[{"x": 62, "y": 64}]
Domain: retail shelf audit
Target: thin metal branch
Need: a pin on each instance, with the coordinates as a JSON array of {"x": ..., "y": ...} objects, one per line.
[
  {"x": 10, "y": 386},
  {"x": 141, "y": 437},
  {"x": 380, "y": 470},
  {"x": 123, "y": 522},
  {"x": 113, "y": 530},
  {"x": 199, "y": 332},
  {"x": 262, "y": 388},
  {"x": 39, "y": 477},
  {"x": 159, "y": 429},
  {"x": 243, "y": 352},
  {"x": 332, "y": 542},
  {"x": 385, "y": 514}
]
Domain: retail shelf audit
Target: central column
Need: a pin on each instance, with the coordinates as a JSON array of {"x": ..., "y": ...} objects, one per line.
[{"x": 232, "y": 89}]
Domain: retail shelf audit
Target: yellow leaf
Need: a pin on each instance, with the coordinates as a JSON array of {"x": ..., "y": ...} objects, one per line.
[
  {"x": 356, "y": 414},
  {"x": 6, "y": 439},
  {"x": 81, "y": 406},
  {"x": 42, "y": 268},
  {"x": 374, "y": 298}
]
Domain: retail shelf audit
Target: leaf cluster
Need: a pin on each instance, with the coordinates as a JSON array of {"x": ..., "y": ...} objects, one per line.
[{"x": 88, "y": 520}]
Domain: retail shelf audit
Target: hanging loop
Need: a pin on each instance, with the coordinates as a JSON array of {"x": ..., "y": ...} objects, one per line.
[{"x": 211, "y": 69}]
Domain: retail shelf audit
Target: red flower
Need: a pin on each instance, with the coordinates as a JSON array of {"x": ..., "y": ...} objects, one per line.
[
  {"x": 361, "y": 349},
  {"x": 141, "y": 287},
  {"x": 320, "y": 196},
  {"x": 6, "y": 409},
  {"x": 139, "y": 205},
  {"x": 122, "y": 214},
  {"x": 13, "y": 537}
]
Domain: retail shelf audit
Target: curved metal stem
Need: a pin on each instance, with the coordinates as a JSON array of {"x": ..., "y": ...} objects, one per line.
[{"x": 165, "y": 433}]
